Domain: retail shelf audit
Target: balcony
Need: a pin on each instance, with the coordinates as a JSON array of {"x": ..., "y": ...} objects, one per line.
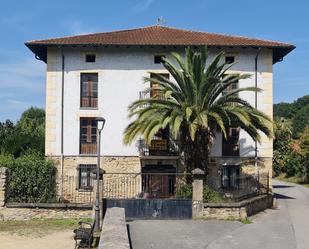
[{"x": 158, "y": 147}]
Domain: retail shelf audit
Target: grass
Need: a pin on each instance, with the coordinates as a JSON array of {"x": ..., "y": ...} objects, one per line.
[
  {"x": 292, "y": 179},
  {"x": 246, "y": 221},
  {"x": 38, "y": 227}
]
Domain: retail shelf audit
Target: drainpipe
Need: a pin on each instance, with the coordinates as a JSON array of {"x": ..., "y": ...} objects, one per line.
[
  {"x": 62, "y": 111},
  {"x": 256, "y": 105}
]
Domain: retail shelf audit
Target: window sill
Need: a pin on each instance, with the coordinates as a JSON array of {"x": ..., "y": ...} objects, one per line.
[
  {"x": 84, "y": 190},
  {"x": 85, "y": 155},
  {"x": 88, "y": 108}
]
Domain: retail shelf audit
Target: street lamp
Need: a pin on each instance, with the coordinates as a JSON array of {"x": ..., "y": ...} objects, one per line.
[{"x": 100, "y": 125}]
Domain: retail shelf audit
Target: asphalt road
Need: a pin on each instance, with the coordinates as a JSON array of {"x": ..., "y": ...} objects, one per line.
[{"x": 286, "y": 227}]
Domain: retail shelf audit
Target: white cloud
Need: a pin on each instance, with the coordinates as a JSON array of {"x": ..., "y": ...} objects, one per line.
[
  {"x": 78, "y": 28},
  {"x": 22, "y": 85},
  {"x": 25, "y": 73},
  {"x": 142, "y": 5}
]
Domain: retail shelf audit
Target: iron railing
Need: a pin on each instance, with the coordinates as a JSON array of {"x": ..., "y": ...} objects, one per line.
[
  {"x": 145, "y": 185},
  {"x": 158, "y": 147},
  {"x": 240, "y": 187},
  {"x": 79, "y": 188}
]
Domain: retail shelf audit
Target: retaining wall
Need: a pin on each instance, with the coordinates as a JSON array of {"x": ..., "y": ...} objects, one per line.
[
  {"x": 114, "y": 230},
  {"x": 238, "y": 210}
]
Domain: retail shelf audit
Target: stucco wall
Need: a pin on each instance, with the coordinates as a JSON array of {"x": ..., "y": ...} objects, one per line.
[{"x": 120, "y": 81}]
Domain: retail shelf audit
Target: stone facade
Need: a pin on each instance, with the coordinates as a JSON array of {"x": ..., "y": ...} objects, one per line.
[{"x": 127, "y": 166}]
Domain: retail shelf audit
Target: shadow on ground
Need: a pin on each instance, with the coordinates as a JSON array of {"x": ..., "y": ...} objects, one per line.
[
  {"x": 283, "y": 186},
  {"x": 279, "y": 196}
]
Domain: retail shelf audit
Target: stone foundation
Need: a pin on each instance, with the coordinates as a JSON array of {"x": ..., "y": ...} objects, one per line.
[
  {"x": 42, "y": 213},
  {"x": 126, "y": 165}
]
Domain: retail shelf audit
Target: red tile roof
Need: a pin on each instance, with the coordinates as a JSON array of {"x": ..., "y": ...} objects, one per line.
[{"x": 156, "y": 36}]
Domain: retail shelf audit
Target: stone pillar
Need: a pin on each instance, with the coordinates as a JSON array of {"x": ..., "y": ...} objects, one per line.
[
  {"x": 197, "y": 193},
  {"x": 3, "y": 175}
]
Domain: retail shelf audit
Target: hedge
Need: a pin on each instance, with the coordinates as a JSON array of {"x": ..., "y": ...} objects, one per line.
[{"x": 31, "y": 178}]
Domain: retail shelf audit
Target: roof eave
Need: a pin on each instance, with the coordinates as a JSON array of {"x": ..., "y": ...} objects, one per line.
[{"x": 40, "y": 50}]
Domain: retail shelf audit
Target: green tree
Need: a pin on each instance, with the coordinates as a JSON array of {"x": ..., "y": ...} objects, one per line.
[
  {"x": 194, "y": 108},
  {"x": 300, "y": 120},
  {"x": 27, "y": 134},
  {"x": 7, "y": 132},
  {"x": 289, "y": 110},
  {"x": 282, "y": 144},
  {"x": 304, "y": 150},
  {"x": 284, "y": 110},
  {"x": 31, "y": 129}
]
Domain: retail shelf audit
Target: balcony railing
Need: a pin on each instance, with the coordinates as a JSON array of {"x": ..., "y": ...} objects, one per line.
[
  {"x": 89, "y": 102},
  {"x": 158, "y": 147}
]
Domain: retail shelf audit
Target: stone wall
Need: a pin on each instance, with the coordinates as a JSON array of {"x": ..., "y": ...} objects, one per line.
[
  {"x": 42, "y": 213},
  {"x": 114, "y": 233},
  {"x": 126, "y": 165},
  {"x": 3, "y": 175},
  {"x": 238, "y": 210}
]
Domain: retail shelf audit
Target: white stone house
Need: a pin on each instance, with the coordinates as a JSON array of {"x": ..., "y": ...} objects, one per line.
[{"x": 100, "y": 74}]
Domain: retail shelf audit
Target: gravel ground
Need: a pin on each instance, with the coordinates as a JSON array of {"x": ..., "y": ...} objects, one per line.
[{"x": 55, "y": 240}]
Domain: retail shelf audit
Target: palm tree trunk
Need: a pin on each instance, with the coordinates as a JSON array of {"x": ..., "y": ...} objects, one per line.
[{"x": 196, "y": 153}]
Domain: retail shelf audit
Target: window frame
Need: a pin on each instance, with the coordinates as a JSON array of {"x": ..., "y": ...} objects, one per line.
[
  {"x": 231, "y": 142},
  {"x": 92, "y": 56},
  {"x": 157, "y": 58},
  {"x": 90, "y": 172},
  {"x": 153, "y": 91},
  {"x": 90, "y": 136},
  {"x": 92, "y": 92},
  {"x": 227, "y": 172},
  {"x": 229, "y": 59}
]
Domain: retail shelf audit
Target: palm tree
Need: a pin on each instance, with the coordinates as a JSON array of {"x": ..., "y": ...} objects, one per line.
[{"x": 194, "y": 106}]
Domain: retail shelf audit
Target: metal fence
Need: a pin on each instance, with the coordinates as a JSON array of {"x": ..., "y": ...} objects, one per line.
[
  {"x": 145, "y": 185},
  {"x": 239, "y": 187},
  {"x": 81, "y": 188}
]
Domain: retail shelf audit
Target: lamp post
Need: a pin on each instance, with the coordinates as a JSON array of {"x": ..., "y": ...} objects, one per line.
[{"x": 100, "y": 125}]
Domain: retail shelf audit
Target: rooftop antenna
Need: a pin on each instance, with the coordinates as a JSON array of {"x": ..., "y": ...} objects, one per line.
[{"x": 160, "y": 21}]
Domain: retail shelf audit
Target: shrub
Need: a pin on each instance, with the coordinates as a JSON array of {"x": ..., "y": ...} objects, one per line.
[
  {"x": 293, "y": 164},
  {"x": 210, "y": 195},
  {"x": 6, "y": 161},
  {"x": 31, "y": 178},
  {"x": 184, "y": 191}
]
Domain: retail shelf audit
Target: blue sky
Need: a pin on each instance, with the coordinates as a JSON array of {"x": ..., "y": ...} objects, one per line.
[{"x": 23, "y": 77}]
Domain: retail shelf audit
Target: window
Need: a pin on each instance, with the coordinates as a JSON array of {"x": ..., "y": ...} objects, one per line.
[
  {"x": 158, "y": 59},
  {"x": 155, "y": 92},
  {"x": 86, "y": 175},
  {"x": 230, "y": 145},
  {"x": 230, "y": 176},
  {"x": 90, "y": 58},
  {"x": 89, "y": 90},
  {"x": 230, "y": 88},
  {"x": 88, "y": 136},
  {"x": 229, "y": 59}
]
